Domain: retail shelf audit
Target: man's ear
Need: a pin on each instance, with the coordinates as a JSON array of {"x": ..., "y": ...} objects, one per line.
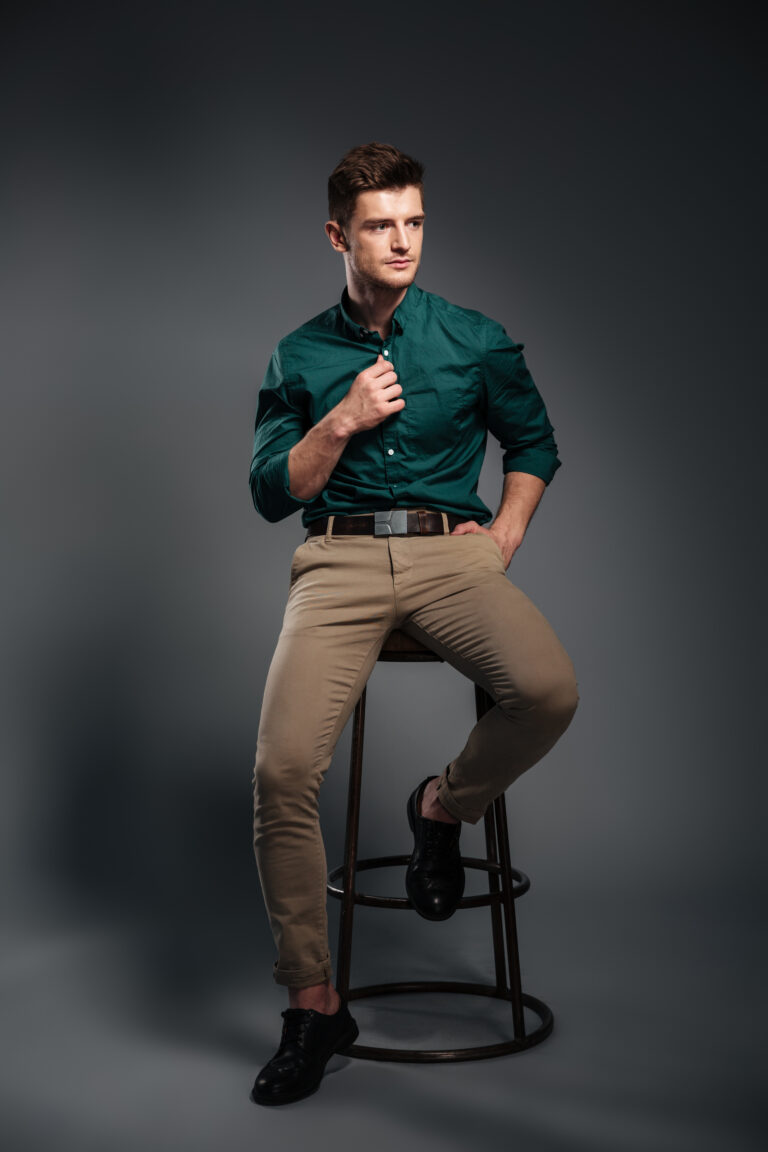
[{"x": 336, "y": 236}]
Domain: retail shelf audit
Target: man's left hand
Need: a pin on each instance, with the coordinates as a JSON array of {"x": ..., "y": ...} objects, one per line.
[{"x": 507, "y": 545}]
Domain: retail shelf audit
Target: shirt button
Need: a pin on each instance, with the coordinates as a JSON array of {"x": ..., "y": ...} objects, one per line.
[
  {"x": 390, "y": 451},
  {"x": 386, "y": 351}
]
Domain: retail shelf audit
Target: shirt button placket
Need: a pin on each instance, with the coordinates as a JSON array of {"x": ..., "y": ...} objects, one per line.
[{"x": 389, "y": 451}]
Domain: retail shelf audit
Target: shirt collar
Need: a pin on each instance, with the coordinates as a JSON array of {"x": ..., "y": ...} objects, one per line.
[{"x": 402, "y": 314}]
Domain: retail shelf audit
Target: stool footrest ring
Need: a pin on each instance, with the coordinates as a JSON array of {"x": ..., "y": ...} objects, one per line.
[{"x": 520, "y": 883}]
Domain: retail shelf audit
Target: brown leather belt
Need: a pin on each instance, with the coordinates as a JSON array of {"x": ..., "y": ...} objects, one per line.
[{"x": 391, "y": 522}]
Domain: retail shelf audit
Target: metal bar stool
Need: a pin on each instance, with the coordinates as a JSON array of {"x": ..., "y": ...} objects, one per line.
[{"x": 505, "y": 884}]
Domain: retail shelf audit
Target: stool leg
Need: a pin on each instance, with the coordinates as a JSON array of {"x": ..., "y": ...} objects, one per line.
[
  {"x": 350, "y": 849},
  {"x": 482, "y": 703},
  {"x": 500, "y": 812},
  {"x": 499, "y": 960}
]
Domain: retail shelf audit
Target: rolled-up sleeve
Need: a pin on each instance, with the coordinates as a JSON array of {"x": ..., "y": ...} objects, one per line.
[
  {"x": 516, "y": 414},
  {"x": 279, "y": 425}
]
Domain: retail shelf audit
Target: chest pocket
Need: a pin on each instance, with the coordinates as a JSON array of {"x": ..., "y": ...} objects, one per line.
[{"x": 440, "y": 400}]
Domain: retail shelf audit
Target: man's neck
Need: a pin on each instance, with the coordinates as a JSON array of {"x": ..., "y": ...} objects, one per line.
[{"x": 374, "y": 307}]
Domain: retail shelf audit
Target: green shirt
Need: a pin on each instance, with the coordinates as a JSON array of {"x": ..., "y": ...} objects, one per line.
[{"x": 461, "y": 376}]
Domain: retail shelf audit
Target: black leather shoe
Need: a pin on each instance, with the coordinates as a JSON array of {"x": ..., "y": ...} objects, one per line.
[
  {"x": 309, "y": 1040},
  {"x": 434, "y": 879}
]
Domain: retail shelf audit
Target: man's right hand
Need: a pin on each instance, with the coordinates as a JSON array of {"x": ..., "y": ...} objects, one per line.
[{"x": 374, "y": 395}]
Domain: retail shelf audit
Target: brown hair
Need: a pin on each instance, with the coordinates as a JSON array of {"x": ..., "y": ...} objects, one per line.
[{"x": 367, "y": 168}]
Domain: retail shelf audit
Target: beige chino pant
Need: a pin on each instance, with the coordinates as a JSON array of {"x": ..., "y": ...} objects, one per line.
[{"x": 346, "y": 594}]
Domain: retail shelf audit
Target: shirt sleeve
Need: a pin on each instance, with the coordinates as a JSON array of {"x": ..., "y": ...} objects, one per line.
[
  {"x": 515, "y": 410},
  {"x": 279, "y": 425}
]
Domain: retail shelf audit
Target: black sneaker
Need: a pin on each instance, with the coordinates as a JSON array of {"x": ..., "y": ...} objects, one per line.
[
  {"x": 308, "y": 1041},
  {"x": 434, "y": 879}
]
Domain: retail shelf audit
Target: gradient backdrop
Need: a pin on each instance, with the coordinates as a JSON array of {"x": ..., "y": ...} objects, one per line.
[{"x": 593, "y": 181}]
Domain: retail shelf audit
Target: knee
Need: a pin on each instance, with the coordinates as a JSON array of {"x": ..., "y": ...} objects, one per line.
[
  {"x": 562, "y": 699},
  {"x": 552, "y": 696},
  {"x": 283, "y": 775}
]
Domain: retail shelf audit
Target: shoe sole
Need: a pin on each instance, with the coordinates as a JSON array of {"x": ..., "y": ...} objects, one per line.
[
  {"x": 413, "y": 801},
  {"x": 344, "y": 1043}
]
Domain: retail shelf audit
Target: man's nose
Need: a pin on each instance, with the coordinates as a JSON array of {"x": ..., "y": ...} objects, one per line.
[{"x": 401, "y": 240}]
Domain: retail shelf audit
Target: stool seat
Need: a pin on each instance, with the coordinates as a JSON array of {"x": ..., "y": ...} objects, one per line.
[
  {"x": 505, "y": 885},
  {"x": 400, "y": 646}
]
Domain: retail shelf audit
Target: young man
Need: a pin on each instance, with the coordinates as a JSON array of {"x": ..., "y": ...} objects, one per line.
[{"x": 373, "y": 419}]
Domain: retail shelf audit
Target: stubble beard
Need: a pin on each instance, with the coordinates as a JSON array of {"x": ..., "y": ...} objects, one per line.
[{"x": 369, "y": 278}]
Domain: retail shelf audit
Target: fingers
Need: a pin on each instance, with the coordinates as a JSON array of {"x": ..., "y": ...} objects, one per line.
[
  {"x": 383, "y": 373},
  {"x": 380, "y": 385},
  {"x": 381, "y": 366}
]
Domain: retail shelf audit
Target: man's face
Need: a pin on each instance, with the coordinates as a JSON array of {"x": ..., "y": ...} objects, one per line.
[{"x": 384, "y": 237}]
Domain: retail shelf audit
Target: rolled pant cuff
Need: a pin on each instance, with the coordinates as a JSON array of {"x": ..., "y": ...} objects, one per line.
[
  {"x": 302, "y": 977},
  {"x": 449, "y": 803}
]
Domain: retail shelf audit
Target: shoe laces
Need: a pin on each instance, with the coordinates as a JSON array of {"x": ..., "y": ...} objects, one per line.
[{"x": 296, "y": 1022}]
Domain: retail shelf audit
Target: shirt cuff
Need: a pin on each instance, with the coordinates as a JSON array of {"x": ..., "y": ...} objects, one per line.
[
  {"x": 270, "y": 489},
  {"x": 286, "y": 482},
  {"x": 541, "y": 464}
]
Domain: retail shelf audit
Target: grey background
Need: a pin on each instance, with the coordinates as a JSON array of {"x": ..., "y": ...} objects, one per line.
[{"x": 594, "y": 174}]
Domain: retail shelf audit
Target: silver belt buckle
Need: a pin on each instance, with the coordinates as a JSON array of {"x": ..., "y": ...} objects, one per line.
[{"x": 392, "y": 522}]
